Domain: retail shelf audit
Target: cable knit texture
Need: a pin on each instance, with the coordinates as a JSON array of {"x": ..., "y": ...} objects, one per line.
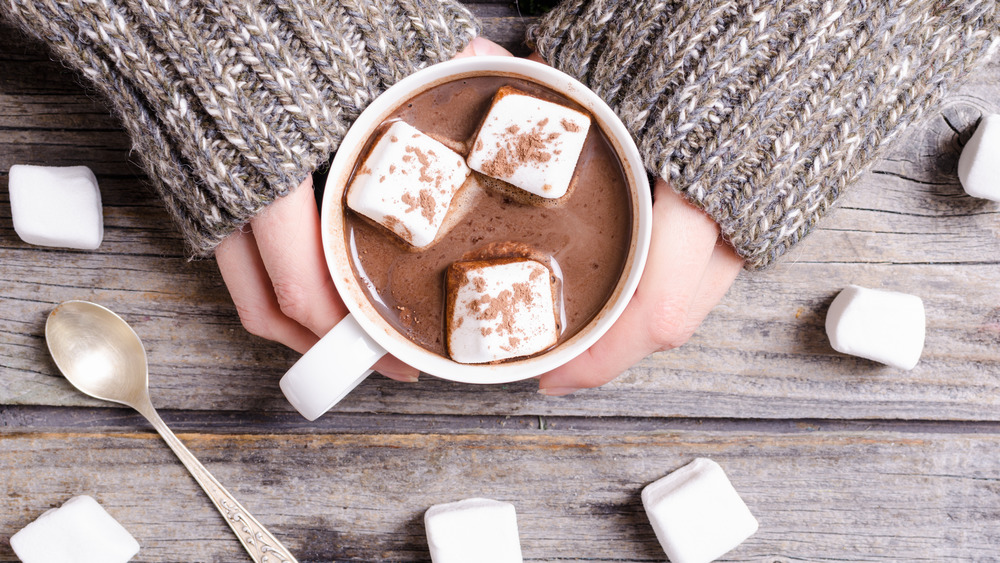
[
  {"x": 232, "y": 104},
  {"x": 763, "y": 112}
]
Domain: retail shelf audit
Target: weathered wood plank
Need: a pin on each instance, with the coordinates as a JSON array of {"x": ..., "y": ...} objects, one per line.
[
  {"x": 758, "y": 388},
  {"x": 819, "y": 496},
  {"x": 762, "y": 353},
  {"x": 119, "y": 419}
]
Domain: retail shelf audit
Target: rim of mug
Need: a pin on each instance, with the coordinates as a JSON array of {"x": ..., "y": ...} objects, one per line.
[{"x": 337, "y": 251}]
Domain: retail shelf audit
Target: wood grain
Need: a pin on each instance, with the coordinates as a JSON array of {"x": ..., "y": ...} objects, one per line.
[
  {"x": 819, "y": 496},
  {"x": 906, "y": 226},
  {"x": 839, "y": 458}
]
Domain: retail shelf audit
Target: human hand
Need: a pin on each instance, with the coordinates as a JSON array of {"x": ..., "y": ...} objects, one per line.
[
  {"x": 276, "y": 273},
  {"x": 688, "y": 271}
]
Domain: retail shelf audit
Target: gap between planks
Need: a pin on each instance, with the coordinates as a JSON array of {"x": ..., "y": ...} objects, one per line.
[{"x": 40, "y": 419}]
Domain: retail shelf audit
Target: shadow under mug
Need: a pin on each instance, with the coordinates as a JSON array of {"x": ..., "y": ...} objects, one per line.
[{"x": 345, "y": 355}]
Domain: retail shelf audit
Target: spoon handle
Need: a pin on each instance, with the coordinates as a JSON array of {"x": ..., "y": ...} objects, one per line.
[{"x": 259, "y": 543}]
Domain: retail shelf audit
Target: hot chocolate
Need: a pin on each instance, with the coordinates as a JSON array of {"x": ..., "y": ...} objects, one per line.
[{"x": 584, "y": 239}]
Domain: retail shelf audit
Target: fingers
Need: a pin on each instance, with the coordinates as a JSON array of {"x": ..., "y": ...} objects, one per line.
[
  {"x": 277, "y": 276},
  {"x": 276, "y": 270},
  {"x": 291, "y": 249},
  {"x": 480, "y": 47},
  {"x": 719, "y": 276},
  {"x": 687, "y": 273},
  {"x": 394, "y": 368},
  {"x": 250, "y": 288}
]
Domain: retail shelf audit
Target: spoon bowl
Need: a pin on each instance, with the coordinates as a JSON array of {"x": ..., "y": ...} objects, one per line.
[{"x": 100, "y": 354}]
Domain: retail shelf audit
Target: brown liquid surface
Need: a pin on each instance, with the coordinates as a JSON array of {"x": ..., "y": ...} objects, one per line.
[{"x": 586, "y": 237}]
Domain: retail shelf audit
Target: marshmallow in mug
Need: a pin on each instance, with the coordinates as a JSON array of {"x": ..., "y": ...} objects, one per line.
[
  {"x": 530, "y": 143},
  {"x": 364, "y": 336},
  {"x": 499, "y": 309},
  {"x": 407, "y": 182},
  {"x": 883, "y": 326},
  {"x": 475, "y": 529}
]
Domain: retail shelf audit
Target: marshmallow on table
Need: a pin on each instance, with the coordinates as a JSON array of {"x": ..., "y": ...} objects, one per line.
[
  {"x": 407, "y": 182},
  {"x": 529, "y": 143},
  {"x": 696, "y": 513},
  {"x": 475, "y": 529},
  {"x": 79, "y": 531},
  {"x": 979, "y": 164},
  {"x": 499, "y": 309},
  {"x": 56, "y": 206},
  {"x": 884, "y": 326}
]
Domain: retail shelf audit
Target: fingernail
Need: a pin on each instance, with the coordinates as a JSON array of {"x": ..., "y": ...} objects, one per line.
[
  {"x": 405, "y": 377},
  {"x": 408, "y": 377},
  {"x": 557, "y": 391}
]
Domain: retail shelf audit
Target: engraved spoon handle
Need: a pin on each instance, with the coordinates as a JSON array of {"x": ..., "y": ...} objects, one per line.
[{"x": 259, "y": 543}]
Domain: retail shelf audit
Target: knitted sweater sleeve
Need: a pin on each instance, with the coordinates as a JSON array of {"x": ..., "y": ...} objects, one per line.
[
  {"x": 231, "y": 103},
  {"x": 763, "y": 113}
]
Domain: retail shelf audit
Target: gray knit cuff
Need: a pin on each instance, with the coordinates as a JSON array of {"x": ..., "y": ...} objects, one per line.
[
  {"x": 232, "y": 104},
  {"x": 763, "y": 113}
]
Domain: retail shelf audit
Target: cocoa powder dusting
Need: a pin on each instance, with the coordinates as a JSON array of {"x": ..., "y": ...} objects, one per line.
[
  {"x": 410, "y": 201},
  {"x": 427, "y": 204},
  {"x": 504, "y": 306},
  {"x": 501, "y": 166},
  {"x": 479, "y": 284},
  {"x": 522, "y": 294},
  {"x": 425, "y": 162},
  {"x": 408, "y": 283},
  {"x": 520, "y": 148}
]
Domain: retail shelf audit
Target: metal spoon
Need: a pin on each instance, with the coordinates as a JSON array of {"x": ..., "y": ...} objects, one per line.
[{"x": 102, "y": 356}]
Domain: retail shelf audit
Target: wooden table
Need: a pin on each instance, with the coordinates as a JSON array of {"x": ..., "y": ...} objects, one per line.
[{"x": 839, "y": 458}]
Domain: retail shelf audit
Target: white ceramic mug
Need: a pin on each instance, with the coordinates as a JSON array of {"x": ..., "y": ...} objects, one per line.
[{"x": 344, "y": 356}]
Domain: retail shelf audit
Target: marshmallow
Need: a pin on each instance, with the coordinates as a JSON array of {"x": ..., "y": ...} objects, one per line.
[
  {"x": 79, "y": 531},
  {"x": 475, "y": 529},
  {"x": 530, "y": 143},
  {"x": 56, "y": 206},
  {"x": 696, "y": 513},
  {"x": 499, "y": 309},
  {"x": 884, "y": 326},
  {"x": 406, "y": 183},
  {"x": 979, "y": 164}
]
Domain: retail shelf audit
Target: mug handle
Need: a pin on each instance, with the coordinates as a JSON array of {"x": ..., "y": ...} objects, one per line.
[{"x": 329, "y": 370}]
